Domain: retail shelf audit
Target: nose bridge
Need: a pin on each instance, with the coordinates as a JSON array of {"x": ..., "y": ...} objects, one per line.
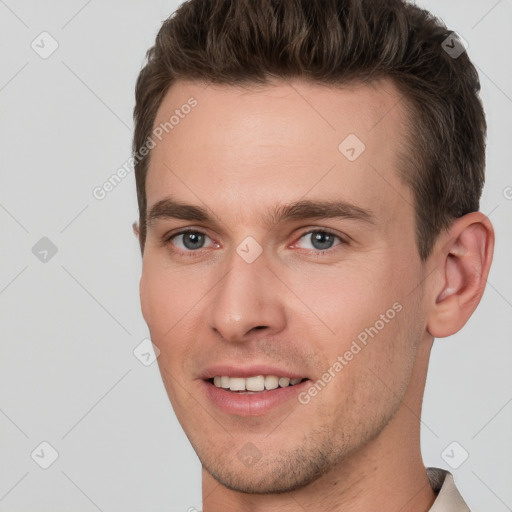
[{"x": 246, "y": 297}]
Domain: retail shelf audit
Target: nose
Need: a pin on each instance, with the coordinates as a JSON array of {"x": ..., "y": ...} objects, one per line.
[{"x": 247, "y": 301}]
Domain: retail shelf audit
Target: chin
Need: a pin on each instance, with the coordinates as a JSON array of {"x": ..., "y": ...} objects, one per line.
[
  {"x": 272, "y": 474},
  {"x": 250, "y": 483}
]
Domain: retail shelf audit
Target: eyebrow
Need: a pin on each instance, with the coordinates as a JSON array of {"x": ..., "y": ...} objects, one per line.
[{"x": 169, "y": 208}]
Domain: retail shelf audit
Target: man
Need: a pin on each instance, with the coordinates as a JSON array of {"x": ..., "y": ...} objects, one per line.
[{"x": 308, "y": 177}]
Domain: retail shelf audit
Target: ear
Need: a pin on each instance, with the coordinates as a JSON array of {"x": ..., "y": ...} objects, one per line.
[
  {"x": 135, "y": 227},
  {"x": 463, "y": 256}
]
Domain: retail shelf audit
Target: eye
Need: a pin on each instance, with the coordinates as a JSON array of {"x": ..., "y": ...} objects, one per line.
[
  {"x": 320, "y": 240},
  {"x": 189, "y": 240}
]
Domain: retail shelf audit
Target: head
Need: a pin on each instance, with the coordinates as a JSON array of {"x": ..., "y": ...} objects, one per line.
[{"x": 326, "y": 161}]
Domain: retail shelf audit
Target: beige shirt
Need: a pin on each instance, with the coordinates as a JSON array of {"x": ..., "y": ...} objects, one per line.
[{"x": 448, "y": 497}]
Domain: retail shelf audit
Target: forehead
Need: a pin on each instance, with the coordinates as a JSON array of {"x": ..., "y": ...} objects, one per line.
[{"x": 238, "y": 147}]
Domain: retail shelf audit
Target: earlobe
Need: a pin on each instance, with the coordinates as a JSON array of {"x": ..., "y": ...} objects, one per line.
[
  {"x": 465, "y": 256},
  {"x": 135, "y": 227}
]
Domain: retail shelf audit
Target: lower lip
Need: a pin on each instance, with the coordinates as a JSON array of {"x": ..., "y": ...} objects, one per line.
[{"x": 251, "y": 404}]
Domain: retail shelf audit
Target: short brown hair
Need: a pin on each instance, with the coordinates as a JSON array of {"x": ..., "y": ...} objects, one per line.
[{"x": 335, "y": 42}]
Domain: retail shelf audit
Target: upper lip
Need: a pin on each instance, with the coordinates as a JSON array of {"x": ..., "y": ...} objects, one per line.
[{"x": 234, "y": 370}]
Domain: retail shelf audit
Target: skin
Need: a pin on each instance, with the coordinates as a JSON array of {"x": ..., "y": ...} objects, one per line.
[{"x": 356, "y": 444}]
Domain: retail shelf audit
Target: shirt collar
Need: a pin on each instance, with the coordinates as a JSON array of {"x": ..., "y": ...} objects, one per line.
[{"x": 448, "y": 497}]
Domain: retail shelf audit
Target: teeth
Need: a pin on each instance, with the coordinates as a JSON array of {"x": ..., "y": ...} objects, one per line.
[
  {"x": 237, "y": 384},
  {"x": 271, "y": 382},
  {"x": 256, "y": 383},
  {"x": 284, "y": 382}
]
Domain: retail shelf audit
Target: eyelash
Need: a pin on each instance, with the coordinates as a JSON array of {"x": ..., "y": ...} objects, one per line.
[{"x": 314, "y": 253}]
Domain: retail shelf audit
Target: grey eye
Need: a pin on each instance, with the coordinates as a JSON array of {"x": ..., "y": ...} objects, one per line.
[
  {"x": 190, "y": 240},
  {"x": 320, "y": 240}
]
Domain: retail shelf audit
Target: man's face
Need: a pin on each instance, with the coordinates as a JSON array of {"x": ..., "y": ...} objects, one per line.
[{"x": 248, "y": 294}]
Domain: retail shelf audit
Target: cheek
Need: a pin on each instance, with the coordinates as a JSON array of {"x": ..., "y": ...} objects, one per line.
[
  {"x": 370, "y": 379},
  {"x": 366, "y": 320},
  {"x": 162, "y": 298},
  {"x": 169, "y": 304},
  {"x": 157, "y": 309},
  {"x": 144, "y": 298},
  {"x": 158, "y": 298},
  {"x": 153, "y": 300},
  {"x": 347, "y": 300}
]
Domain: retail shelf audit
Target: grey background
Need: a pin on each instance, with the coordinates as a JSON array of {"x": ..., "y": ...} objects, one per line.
[{"x": 68, "y": 375}]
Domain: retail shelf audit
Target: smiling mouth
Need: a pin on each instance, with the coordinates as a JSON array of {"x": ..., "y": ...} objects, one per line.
[{"x": 256, "y": 384}]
